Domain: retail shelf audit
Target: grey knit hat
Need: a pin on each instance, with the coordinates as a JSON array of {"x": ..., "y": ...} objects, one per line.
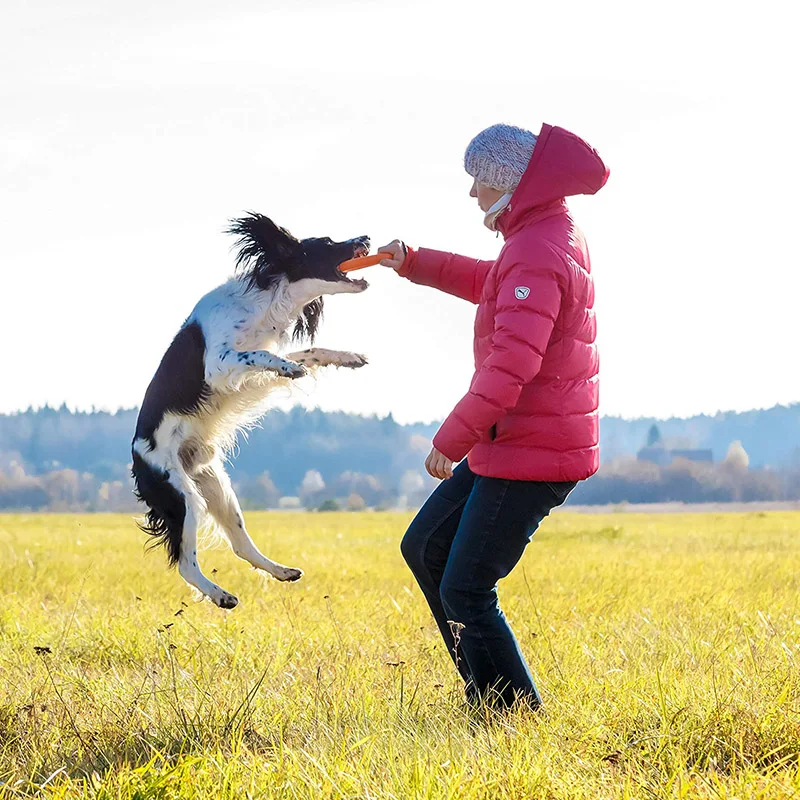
[{"x": 498, "y": 156}]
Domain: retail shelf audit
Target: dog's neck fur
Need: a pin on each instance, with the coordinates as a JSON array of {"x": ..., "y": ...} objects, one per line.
[
  {"x": 284, "y": 306},
  {"x": 274, "y": 313}
]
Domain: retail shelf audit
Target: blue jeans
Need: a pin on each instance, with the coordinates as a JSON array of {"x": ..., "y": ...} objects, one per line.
[{"x": 471, "y": 532}]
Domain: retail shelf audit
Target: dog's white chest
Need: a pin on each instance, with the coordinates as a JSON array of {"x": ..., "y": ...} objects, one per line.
[{"x": 257, "y": 336}]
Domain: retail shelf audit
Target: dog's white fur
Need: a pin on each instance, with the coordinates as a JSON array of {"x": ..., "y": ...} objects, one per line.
[{"x": 243, "y": 326}]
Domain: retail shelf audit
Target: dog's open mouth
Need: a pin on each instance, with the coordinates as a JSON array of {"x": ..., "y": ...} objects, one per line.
[
  {"x": 360, "y": 249},
  {"x": 357, "y": 282}
]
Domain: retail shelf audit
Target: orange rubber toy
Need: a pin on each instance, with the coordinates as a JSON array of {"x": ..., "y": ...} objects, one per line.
[{"x": 363, "y": 261}]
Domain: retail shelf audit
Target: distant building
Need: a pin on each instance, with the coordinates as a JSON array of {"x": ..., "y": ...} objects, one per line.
[
  {"x": 655, "y": 454},
  {"x": 664, "y": 456},
  {"x": 705, "y": 456},
  {"x": 290, "y": 503}
]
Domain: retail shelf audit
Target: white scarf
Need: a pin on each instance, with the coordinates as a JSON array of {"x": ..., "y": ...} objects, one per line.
[{"x": 494, "y": 212}]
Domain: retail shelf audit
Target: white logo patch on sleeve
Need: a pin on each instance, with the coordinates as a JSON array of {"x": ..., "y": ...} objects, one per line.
[{"x": 521, "y": 292}]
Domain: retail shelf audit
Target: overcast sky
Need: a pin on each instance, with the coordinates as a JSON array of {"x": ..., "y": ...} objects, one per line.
[{"x": 130, "y": 133}]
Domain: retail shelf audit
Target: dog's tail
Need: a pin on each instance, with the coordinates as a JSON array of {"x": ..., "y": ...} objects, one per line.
[{"x": 164, "y": 520}]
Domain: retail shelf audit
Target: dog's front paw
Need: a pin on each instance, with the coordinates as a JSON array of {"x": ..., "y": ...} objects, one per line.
[
  {"x": 353, "y": 361},
  {"x": 292, "y": 370}
]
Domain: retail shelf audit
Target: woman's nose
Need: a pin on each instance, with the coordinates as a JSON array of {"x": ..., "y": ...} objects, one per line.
[{"x": 473, "y": 192}]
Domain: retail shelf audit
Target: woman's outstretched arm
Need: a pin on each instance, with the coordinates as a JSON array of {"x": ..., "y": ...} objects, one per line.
[{"x": 457, "y": 275}]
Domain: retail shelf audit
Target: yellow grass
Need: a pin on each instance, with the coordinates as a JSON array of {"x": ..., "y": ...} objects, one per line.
[{"x": 666, "y": 649}]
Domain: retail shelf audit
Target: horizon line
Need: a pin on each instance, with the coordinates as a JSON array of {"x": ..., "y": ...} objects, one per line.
[{"x": 375, "y": 415}]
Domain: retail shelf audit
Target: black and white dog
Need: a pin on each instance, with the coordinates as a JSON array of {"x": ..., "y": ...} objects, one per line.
[{"x": 216, "y": 378}]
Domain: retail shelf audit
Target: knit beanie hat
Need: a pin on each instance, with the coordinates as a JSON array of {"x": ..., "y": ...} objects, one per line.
[{"x": 498, "y": 156}]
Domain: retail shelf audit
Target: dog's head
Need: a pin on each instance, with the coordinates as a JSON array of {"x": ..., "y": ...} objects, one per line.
[{"x": 268, "y": 254}]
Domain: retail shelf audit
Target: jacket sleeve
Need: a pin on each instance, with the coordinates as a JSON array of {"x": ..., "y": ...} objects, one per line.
[
  {"x": 457, "y": 275},
  {"x": 523, "y": 324}
]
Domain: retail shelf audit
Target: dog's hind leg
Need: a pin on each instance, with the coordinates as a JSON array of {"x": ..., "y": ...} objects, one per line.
[
  {"x": 188, "y": 565},
  {"x": 215, "y": 486},
  {"x": 322, "y": 357}
]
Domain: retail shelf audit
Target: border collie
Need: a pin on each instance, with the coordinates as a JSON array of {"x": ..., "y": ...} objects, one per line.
[{"x": 216, "y": 378}]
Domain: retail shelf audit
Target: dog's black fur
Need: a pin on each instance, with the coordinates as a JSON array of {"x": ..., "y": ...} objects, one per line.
[
  {"x": 166, "y": 507},
  {"x": 178, "y": 384}
]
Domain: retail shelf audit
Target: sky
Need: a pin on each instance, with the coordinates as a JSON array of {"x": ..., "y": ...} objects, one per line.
[{"x": 131, "y": 133}]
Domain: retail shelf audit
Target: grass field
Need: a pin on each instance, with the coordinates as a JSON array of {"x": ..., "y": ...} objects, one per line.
[{"x": 666, "y": 648}]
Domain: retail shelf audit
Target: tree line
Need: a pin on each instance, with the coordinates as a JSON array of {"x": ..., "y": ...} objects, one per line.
[{"x": 57, "y": 459}]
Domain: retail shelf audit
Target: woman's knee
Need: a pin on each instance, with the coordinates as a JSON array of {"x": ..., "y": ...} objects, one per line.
[
  {"x": 412, "y": 548},
  {"x": 427, "y": 542}
]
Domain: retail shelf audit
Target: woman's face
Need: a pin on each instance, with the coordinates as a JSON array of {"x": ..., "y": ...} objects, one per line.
[{"x": 487, "y": 196}]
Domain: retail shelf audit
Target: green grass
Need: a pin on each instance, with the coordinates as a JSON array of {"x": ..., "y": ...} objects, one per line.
[{"x": 666, "y": 649}]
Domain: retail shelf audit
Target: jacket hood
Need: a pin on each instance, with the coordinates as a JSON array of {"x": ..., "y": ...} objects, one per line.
[{"x": 562, "y": 165}]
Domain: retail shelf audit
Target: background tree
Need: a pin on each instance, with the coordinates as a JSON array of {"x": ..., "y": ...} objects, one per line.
[
  {"x": 311, "y": 489},
  {"x": 736, "y": 459},
  {"x": 356, "y": 502}
]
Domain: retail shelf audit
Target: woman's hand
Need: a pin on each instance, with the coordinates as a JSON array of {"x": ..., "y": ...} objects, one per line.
[
  {"x": 439, "y": 465},
  {"x": 398, "y": 251}
]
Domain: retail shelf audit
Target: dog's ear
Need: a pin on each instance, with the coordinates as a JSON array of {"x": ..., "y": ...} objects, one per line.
[
  {"x": 308, "y": 321},
  {"x": 263, "y": 246}
]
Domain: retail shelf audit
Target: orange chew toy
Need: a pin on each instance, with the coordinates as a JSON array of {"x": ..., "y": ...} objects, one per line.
[{"x": 363, "y": 261}]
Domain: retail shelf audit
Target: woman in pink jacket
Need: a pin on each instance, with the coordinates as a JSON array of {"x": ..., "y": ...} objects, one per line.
[{"x": 527, "y": 430}]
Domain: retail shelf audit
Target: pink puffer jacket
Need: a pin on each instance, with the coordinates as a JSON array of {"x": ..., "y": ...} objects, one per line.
[{"x": 531, "y": 410}]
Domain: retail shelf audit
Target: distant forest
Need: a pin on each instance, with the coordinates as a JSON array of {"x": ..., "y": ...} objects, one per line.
[{"x": 59, "y": 459}]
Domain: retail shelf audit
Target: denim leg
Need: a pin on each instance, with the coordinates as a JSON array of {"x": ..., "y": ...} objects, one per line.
[
  {"x": 497, "y": 523},
  {"x": 426, "y": 545}
]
